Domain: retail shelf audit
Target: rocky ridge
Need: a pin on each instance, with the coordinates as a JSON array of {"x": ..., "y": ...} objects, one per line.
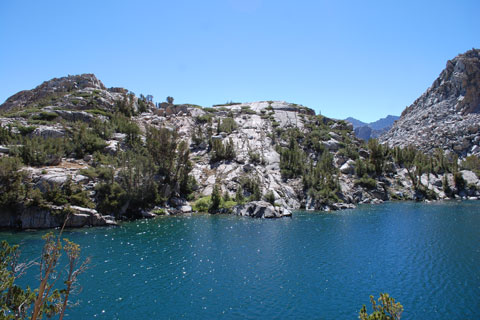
[{"x": 447, "y": 115}]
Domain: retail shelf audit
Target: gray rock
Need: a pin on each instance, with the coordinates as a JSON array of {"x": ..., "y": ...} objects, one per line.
[
  {"x": 48, "y": 132},
  {"x": 470, "y": 177},
  {"x": 348, "y": 167},
  {"x": 260, "y": 209}
]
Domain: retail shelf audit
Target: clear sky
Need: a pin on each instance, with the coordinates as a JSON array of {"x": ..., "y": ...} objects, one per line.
[{"x": 365, "y": 59}]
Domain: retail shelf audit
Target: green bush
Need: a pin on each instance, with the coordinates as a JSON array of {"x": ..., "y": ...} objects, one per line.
[
  {"x": 270, "y": 197},
  {"x": 388, "y": 309},
  {"x": 202, "y": 204},
  {"x": 26, "y": 130},
  {"x": 37, "y": 151},
  {"x": 366, "y": 182},
  {"x": 471, "y": 163},
  {"x": 227, "y": 125},
  {"x": 45, "y": 115},
  {"x": 85, "y": 141},
  {"x": 13, "y": 183}
]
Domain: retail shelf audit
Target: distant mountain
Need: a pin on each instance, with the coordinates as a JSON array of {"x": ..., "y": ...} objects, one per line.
[
  {"x": 374, "y": 129},
  {"x": 447, "y": 115},
  {"x": 384, "y": 123},
  {"x": 356, "y": 123}
]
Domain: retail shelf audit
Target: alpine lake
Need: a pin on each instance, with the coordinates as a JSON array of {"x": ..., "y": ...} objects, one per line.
[{"x": 315, "y": 265}]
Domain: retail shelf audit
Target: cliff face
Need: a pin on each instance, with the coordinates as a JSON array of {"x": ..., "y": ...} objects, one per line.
[{"x": 447, "y": 115}]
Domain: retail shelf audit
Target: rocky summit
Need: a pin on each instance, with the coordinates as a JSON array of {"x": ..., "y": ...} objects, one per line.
[
  {"x": 74, "y": 148},
  {"x": 447, "y": 115}
]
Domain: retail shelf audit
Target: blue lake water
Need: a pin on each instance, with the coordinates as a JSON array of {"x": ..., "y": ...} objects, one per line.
[{"x": 312, "y": 266}]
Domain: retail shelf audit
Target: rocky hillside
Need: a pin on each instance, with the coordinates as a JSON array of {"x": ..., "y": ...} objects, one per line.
[
  {"x": 72, "y": 147},
  {"x": 447, "y": 115}
]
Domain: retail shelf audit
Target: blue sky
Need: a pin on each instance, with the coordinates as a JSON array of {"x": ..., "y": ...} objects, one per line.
[{"x": 365, "y": 59}]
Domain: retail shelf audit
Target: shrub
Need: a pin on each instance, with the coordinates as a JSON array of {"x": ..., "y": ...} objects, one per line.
[
  {"x": 37, "y": 151},
  {"x": 472, "y": 163},
  {"x": 227, "y": 125},
  {"x": 202, "y": 204},
  {"x": 26, "y": 130},
  {"x": 387, "y": 310},
  {"x": 270, "y": 197},
  {"x": 366, "y": 182},
  {"x": 85, "y": 141},
  {"x": 44, "y": 115},
  {"x": 12, "y": 182}
]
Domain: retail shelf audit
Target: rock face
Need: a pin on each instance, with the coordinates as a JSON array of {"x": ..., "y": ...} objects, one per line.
[
  {"x": 447, "y": 115},
  {"x": 52, "y": 217},
  {"x": 261, "y": 209}
]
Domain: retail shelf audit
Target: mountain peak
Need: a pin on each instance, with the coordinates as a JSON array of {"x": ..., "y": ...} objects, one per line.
[
  {"x": 447, "y": 115},
  {"x": 53, "y": 87}
]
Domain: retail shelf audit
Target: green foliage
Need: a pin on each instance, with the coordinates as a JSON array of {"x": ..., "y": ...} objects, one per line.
[
  {"x": 460, "y": 183},
  {"x": 85, "y": 140},
  {"x": 446, "y": 186},
  {"x": 26, "y": 130},
  {"x": 125, "y": 106},
  {"x": 349, "y": 151},
  {"x": 6, "y": 135},
  {"x": 37, "y": 151},
  {"x": 124, "y": 125},
  {"x": 292, "y": 160},
  {"x": 252, "y": 187},
  {"x": 226, "y": 196},
  {"x": 377, "y": 155},
  {"x": 320, "y": 180},
  {"x": 13, "y": 183},
  {"x": 361, "y": 168},
  {"x": 230, "y": 153},
  {"x": 221, "y": 151},
  {"x": 136, "y": 177},
  {"x": 45, "y": 115},
  {"x": 215, "y": 200},
  {"x": 202, "y": 204},
  {"x": 247, "y": 110},
  {"x": 110, "y": 197},
  {"x": 100, "y": 112},
  {"x": 388, "y": 309},
  {"x": 227, "y": 125},
  {"x": 255, "y": 157},
  {"x": 367, "y": 182},
  {"x": 103, "y": 129},
  {"x": 160, "y": 212},
  {"x": 471, "y": 163},
  {"x": 270, "y": 197},
  {"x": 45, "y": 301},
  {"x": 239, "y": 197},
  {"x": 142, "y": 104},
  {"x": 228, "y": 103},
  {"x": 206, "y": 118},
  {"x": 162, "y": 145}
]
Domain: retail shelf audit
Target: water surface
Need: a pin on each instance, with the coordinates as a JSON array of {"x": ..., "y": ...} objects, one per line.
[{"x": 314, "y": 265}]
